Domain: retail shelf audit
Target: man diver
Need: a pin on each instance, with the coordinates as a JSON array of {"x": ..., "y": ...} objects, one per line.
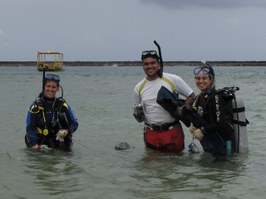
[
  {"x": 162, "y": 131},
  {"x": 50, "y": 120}
]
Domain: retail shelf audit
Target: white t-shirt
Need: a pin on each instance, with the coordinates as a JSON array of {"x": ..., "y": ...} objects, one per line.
[{"x": 145, "y": 93}]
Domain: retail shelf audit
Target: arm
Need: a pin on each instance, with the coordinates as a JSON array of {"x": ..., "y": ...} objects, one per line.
[
  {"x": 31, "y": 129},
  {"x": 190, "y": 99},
  {"x": 182, "y": 87},
  {"x": 73, "y": 122},
  {"x": 138, "y": 109}
]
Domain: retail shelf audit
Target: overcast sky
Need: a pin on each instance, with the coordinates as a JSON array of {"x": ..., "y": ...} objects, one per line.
[{"x": 94, "y": 30}]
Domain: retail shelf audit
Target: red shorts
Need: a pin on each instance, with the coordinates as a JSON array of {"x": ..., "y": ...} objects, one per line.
[{"x": 171, "y": 140}]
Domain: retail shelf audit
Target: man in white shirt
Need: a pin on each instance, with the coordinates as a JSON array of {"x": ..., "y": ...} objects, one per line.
[{"x": 162, "y": 131}]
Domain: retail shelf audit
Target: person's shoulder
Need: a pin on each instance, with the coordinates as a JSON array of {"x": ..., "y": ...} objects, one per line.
[
  {"x": 61, "y": 99},
  {"x": 172, "y": 76},
  {"x": 140, "y": 82}
]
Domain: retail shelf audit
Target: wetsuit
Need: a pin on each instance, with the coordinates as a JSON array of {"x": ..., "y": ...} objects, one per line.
[
  {"x": 45, "y": 117},
  {"x": 216, "y": 110}
]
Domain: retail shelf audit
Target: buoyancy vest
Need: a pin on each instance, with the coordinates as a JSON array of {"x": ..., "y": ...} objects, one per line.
[
  {"x": 58, "y": 110},
  {"x": 239, "y": 118}
]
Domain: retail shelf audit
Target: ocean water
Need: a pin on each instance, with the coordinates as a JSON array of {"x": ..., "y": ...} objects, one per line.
[{"x": 102, "y": 99}]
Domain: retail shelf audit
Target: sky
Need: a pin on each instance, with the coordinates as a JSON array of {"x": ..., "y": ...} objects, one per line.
[{"x": 119, "y": 30}]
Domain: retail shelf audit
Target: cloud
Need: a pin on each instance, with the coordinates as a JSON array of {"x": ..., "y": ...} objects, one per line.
[{"x": 215, "y": 4}]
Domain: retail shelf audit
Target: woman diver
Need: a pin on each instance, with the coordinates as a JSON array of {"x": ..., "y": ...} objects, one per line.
[
  {"x": 216, "y": 132},
  {"x": 50, "y": 120}
]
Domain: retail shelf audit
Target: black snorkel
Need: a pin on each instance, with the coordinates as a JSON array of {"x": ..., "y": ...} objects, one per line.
[
  {"x": 206, "y": 63},
  {"x": 210, "y": 66},
  {"x": 43, "y": 81},
  {"x": 160, "y": 72}
]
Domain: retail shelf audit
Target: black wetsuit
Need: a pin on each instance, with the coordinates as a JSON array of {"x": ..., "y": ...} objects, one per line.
[{"x": 217, "y": 112}]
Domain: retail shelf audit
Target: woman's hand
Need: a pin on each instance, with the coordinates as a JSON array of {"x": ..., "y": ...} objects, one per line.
[
  {"x": 192, "y": 128},
  {"x": 36, "y": 147}
]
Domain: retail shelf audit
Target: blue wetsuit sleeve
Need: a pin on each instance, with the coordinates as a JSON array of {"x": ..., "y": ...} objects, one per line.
[
  {"x": 73, "y": 122},
  {"x": 31, "y": 129}
]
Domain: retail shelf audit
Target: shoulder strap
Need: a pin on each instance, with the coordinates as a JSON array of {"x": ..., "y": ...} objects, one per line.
[
  {"x": 168, "y": 81},
  {"x": 142, "y": 86},
  {"x": 60, "y": 103}
]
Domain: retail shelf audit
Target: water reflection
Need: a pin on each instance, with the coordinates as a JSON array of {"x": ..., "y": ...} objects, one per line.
[
  {"x": 55, "y": 173},
  {"x": 162, "y": 176}
]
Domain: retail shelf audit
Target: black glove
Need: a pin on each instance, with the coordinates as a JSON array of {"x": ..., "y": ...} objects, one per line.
[{"x": 139, "y": 113}]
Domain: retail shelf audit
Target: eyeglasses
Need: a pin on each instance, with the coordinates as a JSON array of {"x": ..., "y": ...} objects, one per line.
[
  {"x": 149, "y": 53},
  {"x": 204, "y": 70},
  {"x": 52, "y": 77}
]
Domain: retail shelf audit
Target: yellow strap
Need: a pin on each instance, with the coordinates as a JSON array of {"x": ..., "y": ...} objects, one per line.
[
  {"x": 43, "y": 115},
  {"x": 194, "y": 103},
  {"x": 65, "y": 105},
  {"x": 168, "y": 81},
  {"x": 31, "y": 110},
  {"x": 142, "y": 86}
]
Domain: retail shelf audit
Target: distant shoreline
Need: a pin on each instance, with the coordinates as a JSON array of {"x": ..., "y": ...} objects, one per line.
[{"x": 136, "y": 63}]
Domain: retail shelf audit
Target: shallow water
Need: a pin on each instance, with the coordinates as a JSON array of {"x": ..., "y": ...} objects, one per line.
[{"x": 102, "y": 99}]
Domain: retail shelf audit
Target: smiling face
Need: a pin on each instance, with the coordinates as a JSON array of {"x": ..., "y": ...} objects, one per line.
[
  {"x": 50, "y": 89},
  {"x": 203, "y": 82},
  {"x": 151, "y": 67}
]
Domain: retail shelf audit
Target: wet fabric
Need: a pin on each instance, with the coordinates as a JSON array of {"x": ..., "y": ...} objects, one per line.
[{"x": 171, "y": 140}]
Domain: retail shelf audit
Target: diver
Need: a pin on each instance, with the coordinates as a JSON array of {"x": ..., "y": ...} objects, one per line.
[
  {"x": 162, "y": 131},
  {"x": 215, "y": 130},
  {"x": 50, "y": 120}
]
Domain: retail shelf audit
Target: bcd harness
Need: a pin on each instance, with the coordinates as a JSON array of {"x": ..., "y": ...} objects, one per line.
[
  {"x": 59, "y": 108},
  {"x": 237, "y": 116}
]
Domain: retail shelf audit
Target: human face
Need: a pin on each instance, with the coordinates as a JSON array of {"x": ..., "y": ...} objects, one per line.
[
  {"x": 151, "y": 67},
  {"x": 50, "y": 89},
  {"x": 203, "y": 82}
]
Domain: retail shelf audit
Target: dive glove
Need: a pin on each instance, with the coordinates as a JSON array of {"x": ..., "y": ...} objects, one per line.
[
  {"x": 139, "y": 113},
  {"x": 198, "y": 134},
  {"x": 62, "y": 133}
]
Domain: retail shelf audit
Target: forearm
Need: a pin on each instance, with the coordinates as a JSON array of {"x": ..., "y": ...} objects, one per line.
[{"x": 190, "y": 99}]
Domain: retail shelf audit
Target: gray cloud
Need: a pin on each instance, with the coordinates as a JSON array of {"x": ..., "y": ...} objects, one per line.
[{"x": 215, "y": 4}]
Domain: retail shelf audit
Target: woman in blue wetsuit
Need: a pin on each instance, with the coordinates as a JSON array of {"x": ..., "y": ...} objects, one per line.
[
  {"x": 50, "y": 120},
  {"x": 217, "y": 129}
]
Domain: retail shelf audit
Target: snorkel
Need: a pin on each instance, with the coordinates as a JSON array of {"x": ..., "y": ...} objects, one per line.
[
  {"x": 43, "y": 81},
  {"x": 210, "y": 67},
  {"x": 160, "y": 72}
]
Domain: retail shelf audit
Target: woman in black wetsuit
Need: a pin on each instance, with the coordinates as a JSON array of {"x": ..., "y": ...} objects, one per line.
[{"x": 216, "y": 132}]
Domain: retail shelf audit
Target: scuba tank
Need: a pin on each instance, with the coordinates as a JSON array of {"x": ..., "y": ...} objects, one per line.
[
  {"x": 239, "y": 122},
  {"x": 240, "y": 126}
]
